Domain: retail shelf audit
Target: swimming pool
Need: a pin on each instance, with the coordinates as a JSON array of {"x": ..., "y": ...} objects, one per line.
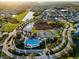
[{"x": 32, "y": 43}]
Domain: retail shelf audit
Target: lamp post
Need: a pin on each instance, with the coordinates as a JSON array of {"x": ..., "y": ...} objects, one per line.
[{"x": 45, "y": 44}]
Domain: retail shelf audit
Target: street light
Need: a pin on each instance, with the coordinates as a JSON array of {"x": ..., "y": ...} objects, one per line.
[{"x": 45, "y": 44}]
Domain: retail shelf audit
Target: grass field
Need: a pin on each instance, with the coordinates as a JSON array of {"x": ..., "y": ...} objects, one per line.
[
  {"x": 19, "y": 17},
  {"x": 8, "y": 27}
]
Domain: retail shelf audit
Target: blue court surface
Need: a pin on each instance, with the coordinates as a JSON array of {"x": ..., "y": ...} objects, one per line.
[{"x": 32, "y": 42}]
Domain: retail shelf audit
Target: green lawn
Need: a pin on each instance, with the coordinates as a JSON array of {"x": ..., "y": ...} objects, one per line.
[
  {"x": 19, "y": 17},
  {"x": 8, "y": 27}
]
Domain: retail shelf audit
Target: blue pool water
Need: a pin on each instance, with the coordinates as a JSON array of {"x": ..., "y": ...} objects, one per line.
[{"x": 32, "y": 42}]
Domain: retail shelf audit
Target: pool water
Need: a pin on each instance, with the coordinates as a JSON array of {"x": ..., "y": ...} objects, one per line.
[{"x": 32, "y": 43}]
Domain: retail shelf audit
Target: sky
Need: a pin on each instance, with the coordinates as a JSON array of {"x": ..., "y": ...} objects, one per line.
[{"x": 41, "y": 0}]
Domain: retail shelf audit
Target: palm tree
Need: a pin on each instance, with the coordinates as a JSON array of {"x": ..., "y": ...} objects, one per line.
[{"x": 49, "y": 46}]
